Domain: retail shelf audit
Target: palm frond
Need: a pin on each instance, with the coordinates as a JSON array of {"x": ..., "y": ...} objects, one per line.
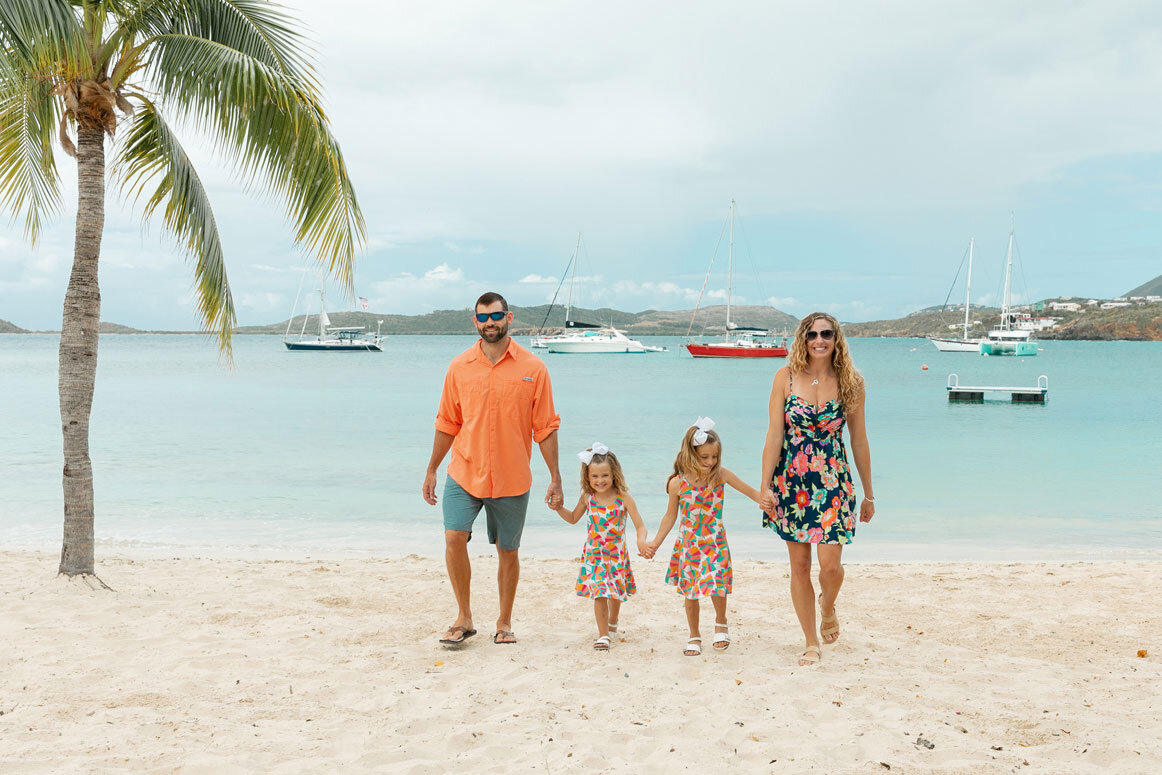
[
  {"x": 43, "y": 38},
  {"x": 152, "y": 156},
  {"x": 29, "y": 182},
  {"x": 270, "y": 125},
  {"x": 260, "y": 29}
]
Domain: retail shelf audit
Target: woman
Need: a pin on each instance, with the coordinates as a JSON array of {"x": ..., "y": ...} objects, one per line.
[{"x": 808, "y": 497}]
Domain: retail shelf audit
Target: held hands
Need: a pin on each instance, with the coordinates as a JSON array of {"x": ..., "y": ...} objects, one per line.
[
  {"x": 644, "y": 549},
  {"x": 867, "y": 510},
  {"x": 554, "y": 497},
  {"x": 767, "y": 501}
]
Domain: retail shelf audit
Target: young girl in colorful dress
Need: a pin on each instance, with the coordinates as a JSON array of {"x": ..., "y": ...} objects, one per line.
[
  {"x": 605, "y": 573},
  {"x": 700, "y": 565}
]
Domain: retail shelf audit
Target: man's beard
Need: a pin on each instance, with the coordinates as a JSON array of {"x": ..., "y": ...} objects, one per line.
[{"x": 496, "y": 336}]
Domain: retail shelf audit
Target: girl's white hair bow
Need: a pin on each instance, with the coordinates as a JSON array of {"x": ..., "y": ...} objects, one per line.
[
  {"x": 703, "y": 424},
  {"x": 586, "y": 456}
]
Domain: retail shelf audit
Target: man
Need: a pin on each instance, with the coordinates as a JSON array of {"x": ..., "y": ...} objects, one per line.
[{"x": 497, "y": 400}]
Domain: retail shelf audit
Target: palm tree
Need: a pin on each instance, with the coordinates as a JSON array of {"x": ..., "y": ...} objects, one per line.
[{"x": 236, "y": 70}]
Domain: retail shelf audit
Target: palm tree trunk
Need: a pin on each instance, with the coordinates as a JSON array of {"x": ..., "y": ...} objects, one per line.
[{"x": 78, "y": 353}]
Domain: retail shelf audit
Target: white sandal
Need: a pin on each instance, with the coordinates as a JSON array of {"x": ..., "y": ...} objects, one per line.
[
  {"x": 695, "y": 645},
  {"x": 720, "y": 637},
  {"x": 602, "y": 643},
  {"x": 612, "y": 626}
]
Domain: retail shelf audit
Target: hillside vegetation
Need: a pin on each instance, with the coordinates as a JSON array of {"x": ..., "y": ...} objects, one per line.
[
  {"x": 11, "y": 328},
  {"x": 1150, "y": 288},
  {"x": 527, "y": 320}
]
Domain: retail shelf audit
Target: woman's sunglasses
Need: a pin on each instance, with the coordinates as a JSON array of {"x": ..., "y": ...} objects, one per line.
[
  {"x": 826, "y": 334},
  {"x": 484, "y": 317}
]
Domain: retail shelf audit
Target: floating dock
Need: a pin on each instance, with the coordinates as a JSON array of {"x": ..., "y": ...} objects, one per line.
[{"x": 975, "y": 394}]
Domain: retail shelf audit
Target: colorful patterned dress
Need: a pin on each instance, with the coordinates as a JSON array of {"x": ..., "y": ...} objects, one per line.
[
  {"x": 815, "y": 498},
  {"x": 605, "y": 570},
  {"x": 700, "y": 565}
]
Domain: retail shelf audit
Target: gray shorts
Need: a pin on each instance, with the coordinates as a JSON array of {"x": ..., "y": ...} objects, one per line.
[{"x": 506, "y": 516}]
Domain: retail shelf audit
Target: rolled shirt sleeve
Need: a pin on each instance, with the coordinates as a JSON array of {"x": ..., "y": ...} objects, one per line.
[
  {"x": 449, "y": 416},
  {"x": 545, "y": 418}
]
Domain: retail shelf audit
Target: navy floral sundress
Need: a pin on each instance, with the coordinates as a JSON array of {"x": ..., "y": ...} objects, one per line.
[{"x": 814, "y": 494}]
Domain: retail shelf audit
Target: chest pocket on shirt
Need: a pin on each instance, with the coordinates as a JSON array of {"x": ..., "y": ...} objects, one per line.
[{"x": 516, "y": 399}]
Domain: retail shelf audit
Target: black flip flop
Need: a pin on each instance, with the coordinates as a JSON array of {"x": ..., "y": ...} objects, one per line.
[
  {"x": 465, "y": 634},
  {"x": 497, "y": 635}
]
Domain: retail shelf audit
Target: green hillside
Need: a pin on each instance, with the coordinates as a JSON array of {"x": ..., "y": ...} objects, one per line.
[
  {"x": 1141, "y": 322},
  {"x": 11, "y": 328},
  {"x": 1151, "y": 288},
  {"x": 527, "y": 320},
  {"x": 933, "y": 321}
]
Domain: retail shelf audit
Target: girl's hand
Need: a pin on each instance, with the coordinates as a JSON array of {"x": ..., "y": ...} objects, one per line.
[
  {"x": 644, "y": 550},
  {"x": 867, "y": 510},
  {"x": 767, "y": 501}
]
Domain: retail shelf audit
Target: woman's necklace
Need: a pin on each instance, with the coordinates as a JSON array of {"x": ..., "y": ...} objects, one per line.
[{"x": 815, "y": 381}]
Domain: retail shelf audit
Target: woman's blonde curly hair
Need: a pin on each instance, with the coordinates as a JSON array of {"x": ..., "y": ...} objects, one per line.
[{"x": 850, "y": 380}]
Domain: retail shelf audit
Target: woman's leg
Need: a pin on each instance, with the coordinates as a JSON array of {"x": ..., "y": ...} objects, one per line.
[
  {"x": 802, "y": 592},
  {"x": 830, "y": 580},
  {"x": 692, "y": 610}
]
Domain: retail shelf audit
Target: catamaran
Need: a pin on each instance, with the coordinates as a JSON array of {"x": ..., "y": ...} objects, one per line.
[
  {"x": 739, "y": 341},
  {"x": 1005, "y": 339},
  {"x": 964, "y": 344},
  {"x": 580, "y": 337}
]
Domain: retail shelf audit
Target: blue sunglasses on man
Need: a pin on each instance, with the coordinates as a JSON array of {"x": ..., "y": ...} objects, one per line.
[{"x": 483, "y": 317}]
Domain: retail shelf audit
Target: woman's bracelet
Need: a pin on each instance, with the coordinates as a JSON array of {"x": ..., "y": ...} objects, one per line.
[{"x": 869, "y": 499}]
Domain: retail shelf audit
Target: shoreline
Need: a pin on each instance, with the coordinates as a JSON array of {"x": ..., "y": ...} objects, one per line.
[{"x": 233, "y": 665}]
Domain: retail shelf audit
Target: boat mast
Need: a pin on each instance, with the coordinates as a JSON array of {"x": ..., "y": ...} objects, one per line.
[
  {"x": 730, "y": 270},
  {"x": 1006, "y": 323},
  {"x": 572, "y": 278},
  {"x": 323, "y": 319},
  {"x": 968, "y": 287}
]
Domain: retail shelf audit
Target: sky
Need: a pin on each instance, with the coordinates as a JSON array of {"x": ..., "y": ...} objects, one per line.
[{"x": 864, "y": 143}]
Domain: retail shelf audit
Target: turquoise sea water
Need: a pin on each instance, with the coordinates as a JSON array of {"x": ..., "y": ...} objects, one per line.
[{"x": 323, "y": 454}]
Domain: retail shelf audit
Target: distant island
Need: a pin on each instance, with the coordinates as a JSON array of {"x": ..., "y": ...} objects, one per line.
[{"x": 1136, "y": 316}]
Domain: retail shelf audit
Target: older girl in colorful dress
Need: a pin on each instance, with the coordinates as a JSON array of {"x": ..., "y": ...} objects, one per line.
[
  {"x": 605, "y": 573},
  {"x": 808, "y": 495},
  {"x": 700, "y": 564}
]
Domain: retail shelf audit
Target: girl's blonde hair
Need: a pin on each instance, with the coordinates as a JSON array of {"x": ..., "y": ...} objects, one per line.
[
  {"x": 850, "y": 380},
  {"x": 687, "y": 465},
  {"x": 614, "y": 468}
]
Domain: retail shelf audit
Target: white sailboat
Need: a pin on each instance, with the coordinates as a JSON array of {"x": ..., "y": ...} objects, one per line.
[
  {"x": 1005, "y": 339},
  {"x": 964, "y": 344}
]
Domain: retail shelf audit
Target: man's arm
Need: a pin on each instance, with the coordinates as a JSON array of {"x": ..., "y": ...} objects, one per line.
[
  {"x": 440, "y": 446},
  {"x": 554, "y": 497}
]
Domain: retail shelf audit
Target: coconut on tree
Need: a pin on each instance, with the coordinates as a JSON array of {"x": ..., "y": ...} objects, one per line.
[{"x": 119, "y": 76}]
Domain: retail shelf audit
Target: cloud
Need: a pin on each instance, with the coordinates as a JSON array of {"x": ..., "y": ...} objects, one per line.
[
  {"x": 536, "y": 279},
  {"x": 444, "y": 273}
]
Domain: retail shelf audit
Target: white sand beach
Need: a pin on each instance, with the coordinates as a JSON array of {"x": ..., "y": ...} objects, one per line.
[{"x": 227, "y": 666}]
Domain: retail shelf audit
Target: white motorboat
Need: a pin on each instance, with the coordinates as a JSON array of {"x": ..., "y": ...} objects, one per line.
[{"x": 964, "y": 344}]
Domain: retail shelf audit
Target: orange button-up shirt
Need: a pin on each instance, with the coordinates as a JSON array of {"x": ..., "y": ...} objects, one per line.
[{"x": 496, "y": 412}]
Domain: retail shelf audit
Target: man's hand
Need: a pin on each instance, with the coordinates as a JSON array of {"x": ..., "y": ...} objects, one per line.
[
  {"x": 430, "y": 488},
  {"x": 555, "y": 498}
]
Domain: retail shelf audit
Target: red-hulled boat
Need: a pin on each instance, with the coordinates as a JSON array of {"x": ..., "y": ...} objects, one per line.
[{"x": 747, "y": 345}]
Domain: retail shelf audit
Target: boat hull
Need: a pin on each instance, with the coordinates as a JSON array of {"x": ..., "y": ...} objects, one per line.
[
  {"x": 593, "y": 347},
  {"x": 329, "y": 347},
  {"x": 1008, "y": 348},
  {"x": 956, "y": 345},
  {"x": 734, "y": 351}
]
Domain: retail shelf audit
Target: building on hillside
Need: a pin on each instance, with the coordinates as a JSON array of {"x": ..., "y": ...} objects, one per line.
[
  {"x": 1153, "y": 299},
  {"x": 1068, "y": 306},
  {"x": 1114, "y": 304},
  {"x": 1027, "y": 322}
]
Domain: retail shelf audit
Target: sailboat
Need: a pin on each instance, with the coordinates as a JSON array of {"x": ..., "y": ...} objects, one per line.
[
  {"x": 580, "y": 337},
  {"x": 1005, "y": 339},
  {"x": 964, "y": 344},
  {"x": 739, "y": 341},
  {"x": 331, "y": 338}
]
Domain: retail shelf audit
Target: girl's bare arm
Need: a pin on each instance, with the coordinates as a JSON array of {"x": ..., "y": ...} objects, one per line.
[
  {"x": 638, "y": 523},
  {"x": 572, "y": 517},
  {"x": 670, "y": 517},
  {"x": 732, "y": 479}
]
